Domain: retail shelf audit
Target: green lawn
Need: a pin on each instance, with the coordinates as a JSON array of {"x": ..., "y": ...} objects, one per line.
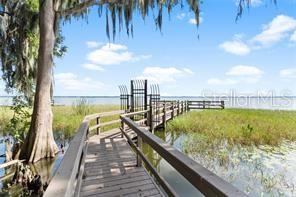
[{"x": 239, "y": 126}]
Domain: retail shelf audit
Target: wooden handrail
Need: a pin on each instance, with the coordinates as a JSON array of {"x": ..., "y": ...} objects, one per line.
[
  {"x": 201, "y": 178},
  {"x": 135, "y": 113},
  {"x": 66, "y": 179},
  {"x": 104, "y": 114},
  {"x": 205, "y": 104}
]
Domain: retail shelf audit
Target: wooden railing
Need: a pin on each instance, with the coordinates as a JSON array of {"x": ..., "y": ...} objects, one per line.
[
  {"x": 66, "y": 181},
  {"x": 204, "y": 180},
  {"x": 166, "y": 110},
  {"x": 205, "y": 105}
]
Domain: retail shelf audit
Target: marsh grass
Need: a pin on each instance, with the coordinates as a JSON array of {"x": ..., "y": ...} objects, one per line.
[
  {"x": 239, "y": 126},
  {"x": 5, "y": 115},
  {"x": 67, "y": 119}
]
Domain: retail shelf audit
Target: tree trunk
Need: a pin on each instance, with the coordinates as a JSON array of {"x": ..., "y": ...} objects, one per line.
[{"x": 39, "y": 142}]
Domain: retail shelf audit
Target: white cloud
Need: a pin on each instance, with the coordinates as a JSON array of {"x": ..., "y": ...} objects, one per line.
[
  {"x": 70, "y": 81},
  {"x": 93, "y": 67},
  {"x": 194, "y": 22},
  {"x": 293, "y": 37},
  {"x": 256, "y": 3},
  {"x": 113, "y": 54},
  {"x": 93, "y": 44},
  {"x": 242, "y": 70},
  {"x": 238, "y": 74},
  {"x": 288, "y": 73},
  {"x": 164, "y": 75},
  {"x": 188, "y": 71},
  {"x": 181, "y": 16},
  {"x": 278, "y": 29},
  {"x": 235, "y": 47},
  {"x": 253, "y": 3}
]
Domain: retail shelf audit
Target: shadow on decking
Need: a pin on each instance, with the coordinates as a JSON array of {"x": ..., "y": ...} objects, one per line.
[{"x": 110, "y": 169}]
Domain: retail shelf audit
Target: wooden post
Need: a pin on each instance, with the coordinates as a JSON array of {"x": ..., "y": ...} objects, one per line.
[
  {"x": 178, "y": 108},
  {"x": 148, "y": 118},
  {"x": 172, "y": 108},
  {"x": 182, "y": 107},
  {"x": 139, "y": 144},
  {"x": 151, "y": 118},
  {"x": 187, "y": 106},
  {"x": 145, "y": 97},
  {"x": 122, "y": 128},
  {"x": 204, "y": 104},
  {"x": 164, "y": 115},
  {"x": 223, "y": 104},
  {"x": 98, "y": 128}
]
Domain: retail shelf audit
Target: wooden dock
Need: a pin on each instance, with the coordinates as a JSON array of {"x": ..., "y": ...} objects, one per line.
[
  {"x": 111, "y": 169},
  {"x": 113, "y": 163}
]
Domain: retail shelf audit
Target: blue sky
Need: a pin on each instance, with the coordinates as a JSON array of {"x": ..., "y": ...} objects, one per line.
[{"x": 255, "y": 54}]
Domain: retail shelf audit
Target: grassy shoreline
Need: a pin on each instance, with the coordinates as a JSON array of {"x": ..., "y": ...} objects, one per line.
[
  {"x": 66, "y": 119},
  {"x": 239, "y": 126}
]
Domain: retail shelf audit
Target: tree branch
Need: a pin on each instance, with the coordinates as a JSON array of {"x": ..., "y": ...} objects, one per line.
[{"x": 78, "y": 8}]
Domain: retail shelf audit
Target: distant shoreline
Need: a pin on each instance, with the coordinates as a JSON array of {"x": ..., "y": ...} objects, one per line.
[{"x": 170, "y": 96}]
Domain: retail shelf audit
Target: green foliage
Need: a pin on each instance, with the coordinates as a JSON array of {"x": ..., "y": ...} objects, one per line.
[
  {"x": 81, "y": 107},
  {"x": 5, "y": 115},
  {"x": 20, "y": 122},
  {"x": 19, "y": 40},
  {"x": 19, "y": 45},
  {"x": 239, "y": 126},
  {"x": 118, "y": 13},
  {"x": 247, "y": 131},
  {"x": 33, "y": 5},
  {"x": 67, "y": 119}
]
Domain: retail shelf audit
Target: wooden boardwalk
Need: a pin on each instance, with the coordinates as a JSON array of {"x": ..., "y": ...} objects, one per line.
[
  {"x": 108, "y": 165},
  {"x": 110, "y": 169}
]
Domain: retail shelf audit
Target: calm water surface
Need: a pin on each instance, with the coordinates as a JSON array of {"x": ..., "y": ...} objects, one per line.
[{"x": 258, "y": 171}]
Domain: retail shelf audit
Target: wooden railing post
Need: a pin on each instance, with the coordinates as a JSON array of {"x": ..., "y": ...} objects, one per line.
[
  {"x": 181, "y": 107},
  {"x": 148, "y": 121},
  {"x": 139, "y": 144},
  {"x": 164, "y": 118},
  {"x": 151, "y": 118},
  {"x": 99, "y": 128},
  {"x": 173, "y": 109},
  {"x": 178, "y": 108},
  {"x": 122, "y": 128},
  {"x": 223, "y": 104}
]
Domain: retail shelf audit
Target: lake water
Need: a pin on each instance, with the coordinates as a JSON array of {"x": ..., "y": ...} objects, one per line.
[
  {"x": 258, "y": 171},
  {"x": 272, "y": 103}
]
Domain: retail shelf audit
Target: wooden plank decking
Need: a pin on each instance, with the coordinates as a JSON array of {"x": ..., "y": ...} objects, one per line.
[{"x": 110, "y": 169}]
